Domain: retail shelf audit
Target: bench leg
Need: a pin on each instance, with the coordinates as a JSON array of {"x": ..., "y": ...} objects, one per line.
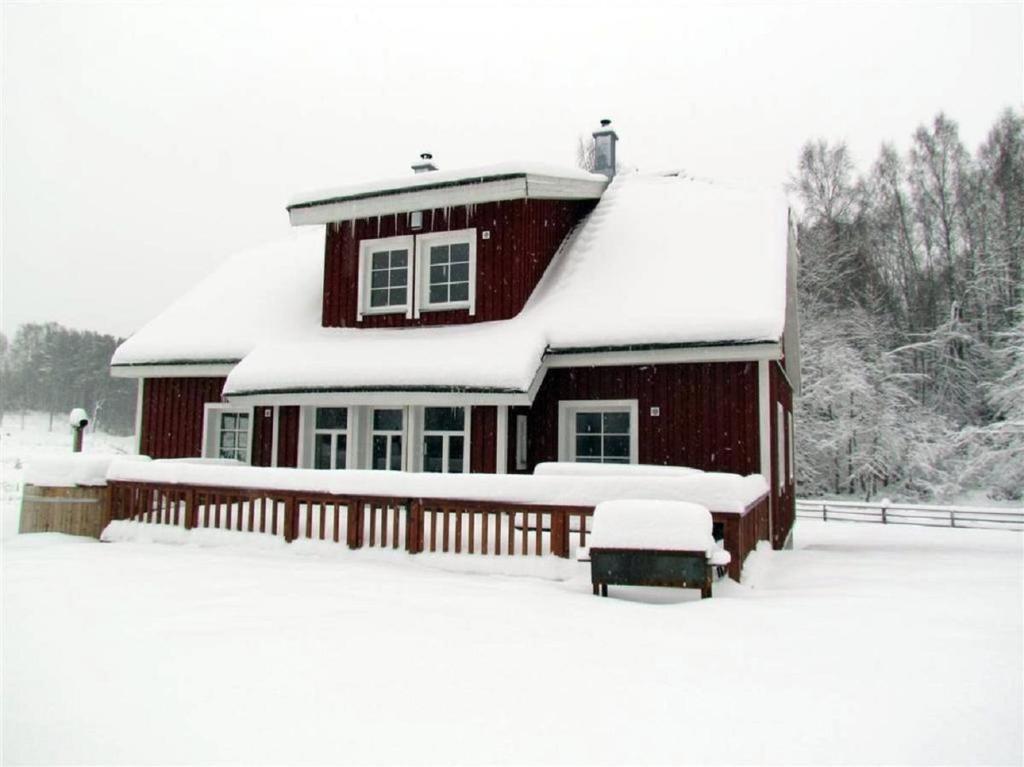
[
  {"x": 597, "y": 589},
  {"x": 604, "y": 589},
  {"x": 705, "y": 590}
]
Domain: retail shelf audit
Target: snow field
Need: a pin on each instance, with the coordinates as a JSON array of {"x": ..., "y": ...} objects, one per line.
[{"x": 866, "y": 644}]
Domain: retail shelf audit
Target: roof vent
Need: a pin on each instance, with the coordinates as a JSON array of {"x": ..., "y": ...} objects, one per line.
[
  {"x": 605, "y": 139},
  {"x": 425, "y": 163}
]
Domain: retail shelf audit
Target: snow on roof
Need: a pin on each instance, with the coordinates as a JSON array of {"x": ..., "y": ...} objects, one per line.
[
  {"x": 669, "y": 260},
  {"x": 437, "y": 178},
  {"x": 662, "y": 259},
  {"x": 489, "y": 356},
  {"x": 266, "y": 294}
]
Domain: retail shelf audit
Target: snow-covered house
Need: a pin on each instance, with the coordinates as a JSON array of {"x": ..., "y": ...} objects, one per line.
[{"x": 487, "y": 320}]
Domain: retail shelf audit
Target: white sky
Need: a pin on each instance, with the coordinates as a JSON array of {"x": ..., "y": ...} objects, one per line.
[{"x": 142, "y": 143}]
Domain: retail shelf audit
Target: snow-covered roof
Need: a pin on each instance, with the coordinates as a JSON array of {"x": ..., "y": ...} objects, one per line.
[
  {"x": 662, "y": 260},
  {"x": 263, "y": 295},
  {"x": 443, "y": 188}
]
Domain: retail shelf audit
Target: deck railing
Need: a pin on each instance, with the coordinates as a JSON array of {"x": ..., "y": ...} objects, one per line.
[
  {"x": 912, "y": 514},
  {"x": 412, "y": 524}
]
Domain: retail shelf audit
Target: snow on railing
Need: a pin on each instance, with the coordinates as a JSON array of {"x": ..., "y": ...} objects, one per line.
[{"x": 912, "y": 514}]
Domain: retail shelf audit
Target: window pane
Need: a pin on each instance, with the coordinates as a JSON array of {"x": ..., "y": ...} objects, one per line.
[
  {"x": 439, "y": 254},
  {"x": 460, "y": 272},
  {"x": 616, "y": 423},
  {"x": 460, "y": 291},
  {"x": 227, "y": 439},
  {"x": 397, "y": 297},
  {"x": 227, "y": 421},
  {"x": 460, "y": 252},
  {"x": 380, "y": 452},
  {"x": 396, "y": 453},
  {"x": 398, "y": 278},
  {"x": 588, "y": 446},
  {"x": 588, "y": 423},
  {"x": 433, "y": 447},
  {"x": 438, "y": 274},
  {"x": 444, "y": 418},
  {"x": 387, "y": 420},
  {"x": 322, "y": 451},
  {"x": 438, "y": 294},
  {"x": 378, "y": 298},
  {"x": 455, "y": 447},
  {"x": 379, "y": 279},
  {"x": 243, "y": 420},
  {"x": 243, "y": 440},
  {"x": 331, "y": 417},
  {"x": 340, "y": 451},
  {"x": 399, "y": 258},
  {"x": 616, "y": 447},
  {"x": 380, "y": 260}
]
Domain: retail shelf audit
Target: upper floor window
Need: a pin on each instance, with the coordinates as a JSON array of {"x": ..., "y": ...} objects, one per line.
[
  {"x": 385, "y": 276},
  {"x": 446, "y": 263}
]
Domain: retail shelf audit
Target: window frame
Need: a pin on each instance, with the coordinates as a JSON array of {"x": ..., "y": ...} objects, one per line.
[
  {"x": 366, "y": 248},
  {"x": 424, "y": 432},
  {"x": 567, "y": 410},
  {"x": 212, "y": 412},
  {"x": 422, "y": 270},
  {"x": 403, "y": 432},
  {"x": 335, "y": 433}
]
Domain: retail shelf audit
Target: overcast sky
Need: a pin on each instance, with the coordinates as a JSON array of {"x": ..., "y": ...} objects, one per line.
[{"x": 144, "y": 142}]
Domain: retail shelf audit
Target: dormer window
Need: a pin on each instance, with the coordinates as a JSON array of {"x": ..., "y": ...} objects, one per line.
[
  {"x": 446, "y": 270},
  {"x": 385, "y": 271}
]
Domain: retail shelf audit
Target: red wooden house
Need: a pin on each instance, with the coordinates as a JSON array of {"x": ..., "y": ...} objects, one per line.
[{"x": 489, "y": 319}]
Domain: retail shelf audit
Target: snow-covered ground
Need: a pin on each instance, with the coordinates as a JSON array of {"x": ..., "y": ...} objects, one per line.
[{"x": 865, "y": 644}]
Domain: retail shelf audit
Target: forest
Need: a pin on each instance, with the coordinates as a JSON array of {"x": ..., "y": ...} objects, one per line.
[
  {"x": 53, "y": 369},
  {"x": 912, "y": 317}
]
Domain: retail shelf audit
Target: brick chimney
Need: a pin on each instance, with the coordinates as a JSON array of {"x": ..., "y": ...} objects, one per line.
[{"x": 605, "y": 139}]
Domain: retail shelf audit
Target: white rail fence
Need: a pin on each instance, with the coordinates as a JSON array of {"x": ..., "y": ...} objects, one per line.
[{"x": 913, "y": 514}]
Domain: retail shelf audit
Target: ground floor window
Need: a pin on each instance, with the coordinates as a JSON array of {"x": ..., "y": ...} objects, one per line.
[
  {"x": 387, "y": 439},
  {"x": 330, "y": 438},
  {"x": 598, "y": 431},
  {"x": 228, "y": 433},
  {"x": 444, "y": 440}
]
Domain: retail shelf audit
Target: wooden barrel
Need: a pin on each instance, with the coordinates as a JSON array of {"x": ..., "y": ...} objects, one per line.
[{"x": 76, "y": 510}]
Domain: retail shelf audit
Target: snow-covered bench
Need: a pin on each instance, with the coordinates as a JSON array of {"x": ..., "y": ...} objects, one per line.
[{"x": 653, "y": 543}]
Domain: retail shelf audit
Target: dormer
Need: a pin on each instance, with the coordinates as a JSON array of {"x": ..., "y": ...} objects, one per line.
[{"x": 443, "y": 247}]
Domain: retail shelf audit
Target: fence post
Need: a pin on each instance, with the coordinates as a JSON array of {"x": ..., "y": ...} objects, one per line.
[
  {"x": 190, "y": 509},
  {"x": 824, "y": 513},
  {"x": 354, "y": 534},
  {"x": 291, "y": 518},
  {"x": 952, "y": 518},
  {"x": 414, "y": 526},
  {"x": 560, "y": 533}
]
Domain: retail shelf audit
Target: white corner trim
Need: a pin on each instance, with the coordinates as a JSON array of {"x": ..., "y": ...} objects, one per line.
[
  {"x": 764, "y": 422},
  {"x": 567, "y": 407},
  {"x": 140, "y": 385},
  {"x": 275, "y": 423},
  {"x": 501, "y": 441}
]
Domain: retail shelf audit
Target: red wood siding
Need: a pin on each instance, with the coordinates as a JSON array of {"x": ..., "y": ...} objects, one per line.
[
  {"x": 524, "y": 235},
  {"x": 784, "y": 501},
  {"x": 708, "y": 417},
  {"x": 172, "y": 415},
  {"x": 288, "y": 436},
  {"x": 483, "y": 428},
  {"x": 262, "y": 436}
]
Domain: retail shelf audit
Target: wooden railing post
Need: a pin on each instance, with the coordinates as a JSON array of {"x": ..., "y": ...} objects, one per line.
[
  {"x": 354, "y": 533},
  {"x": 190, "y": 509},
  {"x": 414, "y": 526},
  {"x": 291, "y": 518},
  {"x": 560, "y": 532}
]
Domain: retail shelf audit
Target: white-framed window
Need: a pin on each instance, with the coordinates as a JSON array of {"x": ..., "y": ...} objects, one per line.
[
  {"x": 387, "y": 439},
  {"x": 598, "y": 431},
  {"x": 227, "y": 432},
  {"x": 445, "y": 440},
  {"x": 385, "y": 276},
  {"x": 330, "y": 438},
  {"x": 446, "y": 271},
  {"x": 780, "y": 433}
]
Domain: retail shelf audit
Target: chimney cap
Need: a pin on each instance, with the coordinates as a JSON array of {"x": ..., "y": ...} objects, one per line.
[
  {"x": 426, "y": 156},
  {"x": 425, "y": 163},
  {"x": 605, "y": 122}
]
